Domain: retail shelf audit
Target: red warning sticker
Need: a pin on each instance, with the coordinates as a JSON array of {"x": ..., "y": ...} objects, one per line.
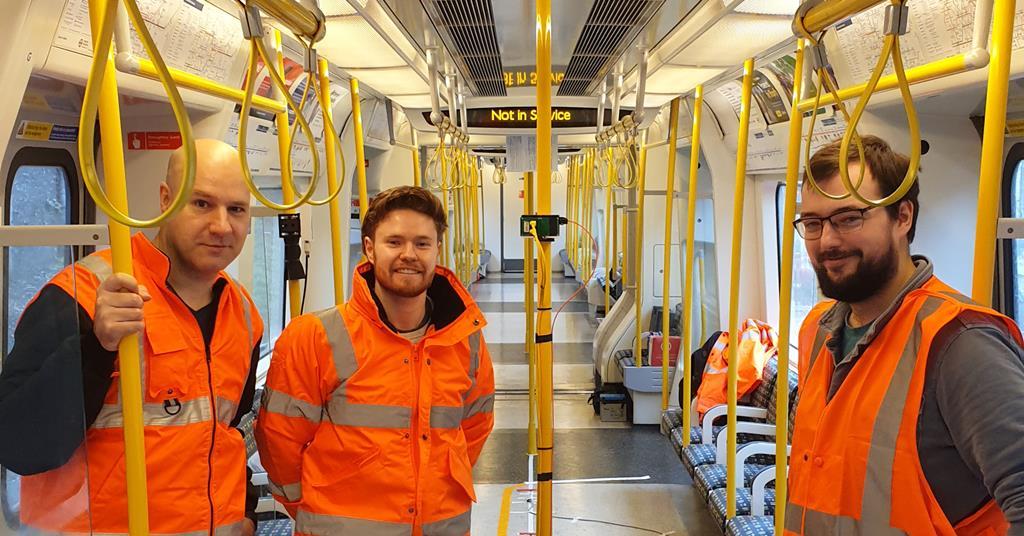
[{"x": 154, "y": 141}]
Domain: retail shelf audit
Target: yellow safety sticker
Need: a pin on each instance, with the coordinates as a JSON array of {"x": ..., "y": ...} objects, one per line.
[{"x": 34, "y": 130}]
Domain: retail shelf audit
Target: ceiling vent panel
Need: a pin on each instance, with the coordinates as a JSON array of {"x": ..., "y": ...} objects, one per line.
[
  {"x": 610, "y": 27},
  {"x": 467, "y": 27}
]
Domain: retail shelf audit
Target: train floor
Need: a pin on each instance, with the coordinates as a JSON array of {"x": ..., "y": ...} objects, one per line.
[{"x": 623, "y": 480}]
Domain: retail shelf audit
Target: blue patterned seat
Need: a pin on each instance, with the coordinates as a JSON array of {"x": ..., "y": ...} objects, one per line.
[
  {"x": 274, "y": 527},
  {"x": 695, "y": 456},
  {"x": 671, "y": 419},
  {"x": 712, "y": 476},
  {"x": 718, "y": 506},
  {"x": 750, "y": 526}
]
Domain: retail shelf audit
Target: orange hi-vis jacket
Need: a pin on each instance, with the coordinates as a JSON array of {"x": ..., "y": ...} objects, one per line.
[
  {"x": 758, "y": 343},
  {"x": 363, "y": 433},
  {"x": 195, "y": 463},
  {"x": 855, "y": 467}
]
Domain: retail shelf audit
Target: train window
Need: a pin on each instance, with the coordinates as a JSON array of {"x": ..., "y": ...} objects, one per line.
[
  {"x": 1013, "y": 207},
  {"x": 42, "y": 189},
  {"x": 268, "y": 274},
  {"x": 805, "y": 283}
]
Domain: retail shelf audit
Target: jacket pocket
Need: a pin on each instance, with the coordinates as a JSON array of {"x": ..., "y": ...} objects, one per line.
[
  {"x": 461, "y": 471},
  {"x": 346, "y": 469},
  {"x": 168, "y": 363}
]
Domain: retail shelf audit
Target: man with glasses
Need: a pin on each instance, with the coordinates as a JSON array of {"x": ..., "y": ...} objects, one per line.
[{"x": 911, "y": 411}]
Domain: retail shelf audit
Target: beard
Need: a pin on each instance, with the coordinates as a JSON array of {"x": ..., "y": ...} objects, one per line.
[
  {"x": 868, "y": 278},
  {"x": 403, "y": 285}
]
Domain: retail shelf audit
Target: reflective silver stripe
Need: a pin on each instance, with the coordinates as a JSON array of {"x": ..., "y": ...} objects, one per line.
[
  {"x": 448, "y": 417},
  {"x": 342, "y": 352},
  {"x": 284, "y": 404},
  {"x": 226, "y": 410},
  {"x": 344, "y": 413},
  {"x": 98, "y": 266},
  {"x": 876, "y": 505},
  {"x": 474, "y": 361},
  {"x": 223, "y": 530},
  {"x": 453, "y": 526},
  {"x": 154, "y": 414},
  {"x": 326, "y": 525},
  {"x": 484, "y": 404},
  {"x": 291, "y": 492},
  {"x": 246, "y": 309},
  {"x": 959, "y": 297},
  {"x": 877, "y": 499}
]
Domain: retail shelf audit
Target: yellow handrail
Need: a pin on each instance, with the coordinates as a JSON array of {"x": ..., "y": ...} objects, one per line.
[
  {"x": 608, "y": 217},
  {"x": 284, "y": 145},
  {"x": 545, "y": 445},
  {"x": 531, "y": 332},
  {"x": 691, "y": 254},
  {"x": 989, "y": 196},
  {"x": 670, "y": 189},
  {"x": 786, "y": 291},
  {"x": 331, "y": 144},
  {"x": 638, "y": 251},
  {"x": 357, "y": 124},
  {"x": 734, "y": 283},
  {"x": 146, "y": 68},
  {"x": 417, "y": 179}
]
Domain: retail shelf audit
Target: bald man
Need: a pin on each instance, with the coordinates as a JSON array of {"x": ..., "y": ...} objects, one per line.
[{"x": 199, "y": 335}]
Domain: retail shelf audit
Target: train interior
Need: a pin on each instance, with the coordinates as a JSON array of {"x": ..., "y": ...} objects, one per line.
[{"x": 404, "y": 75}]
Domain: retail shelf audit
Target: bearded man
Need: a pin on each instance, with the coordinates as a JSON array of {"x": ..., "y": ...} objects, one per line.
[
  {"x": 374, "y": 412},
  {"x": 911, "y": 411}
]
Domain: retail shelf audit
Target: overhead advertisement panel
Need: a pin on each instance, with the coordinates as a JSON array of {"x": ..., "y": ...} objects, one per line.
[{"x": 526, "y": 117}]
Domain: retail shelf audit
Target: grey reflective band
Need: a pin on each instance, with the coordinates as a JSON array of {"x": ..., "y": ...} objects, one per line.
[
  {"x": 246, "y": 308},
  {"x": 819, "y": 341},
  {"x": 342, "y": 352},
  {"x": 344, "y": 413},
  {"x": 327, "y": 525},
  {"x": 877, "y": 498},
  {"x": 447, "y": 417},
  {"x": 98, "y": 266},
  {"x": 154, "y": 414},
  {"x": 290, "y": 492},
  {"x": 284, "y": 404},
  {"x": 453, "y": 526},
  {"x": 474, "y": 361},
  {"x": 226, "y": 410},
  {"x": 484, "y": 404},
  {"x": 234, "y": 529}
]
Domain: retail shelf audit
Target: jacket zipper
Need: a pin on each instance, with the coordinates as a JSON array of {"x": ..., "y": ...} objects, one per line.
[{"x": 416, "y": 430}]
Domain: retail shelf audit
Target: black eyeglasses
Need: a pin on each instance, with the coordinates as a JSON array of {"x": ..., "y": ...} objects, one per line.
[{"x": 844, "y": 221}]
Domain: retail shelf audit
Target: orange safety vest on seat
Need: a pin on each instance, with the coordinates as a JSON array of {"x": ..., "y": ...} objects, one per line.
[
  {"x": 363, "y": 433},
  {"x": 855, "y": 468},
  {"x": 757, "y": 344},
  {"x": 195, "y": 463}
]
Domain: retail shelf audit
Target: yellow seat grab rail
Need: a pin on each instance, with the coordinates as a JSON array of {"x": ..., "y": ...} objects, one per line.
[
  {"x": 258, "y": 51},
  {"x": 90, "y": 109},
  {"x": 897, "y": 12}
]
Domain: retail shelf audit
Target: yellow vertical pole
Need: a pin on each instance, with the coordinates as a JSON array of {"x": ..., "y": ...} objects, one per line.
[
  {"x": 458, "y": 241},
  {"x": 357, "y": 125},
  {"x": 786, "y": 288},
  {"x": 545, "y": 445},
  {"x": 691, "y": 217},
  {"x": 638, "y": 252},
  {"x": 130, "y": 383},
  {"x": 531, "y": 332},
  {"x": 670, "y": 185},
  {"x": 570, "y": 231},
  {"x": 591, "y": 170},
  {"x": 417, "y": 179},
  {"x": 608, "y": 217},
  {"x": 284, "y": 145},
  {"x": 446, "y": 251},
  {"x": 991, "y": 176},
  {"x": 691, "y": 252},
  {"x": 734, "y": 284},
  {"x": 475, "y": 198},
  {"x": 331, "y": 148}
]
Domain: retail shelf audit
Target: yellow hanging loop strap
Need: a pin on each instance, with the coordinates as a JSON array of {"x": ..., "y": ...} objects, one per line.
[
  {"x": 103, "y": 31},
  {"x": 257, "y": 52},
  {"x": 896, "y": 25},
  {"x": 331, "y": 146}
]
